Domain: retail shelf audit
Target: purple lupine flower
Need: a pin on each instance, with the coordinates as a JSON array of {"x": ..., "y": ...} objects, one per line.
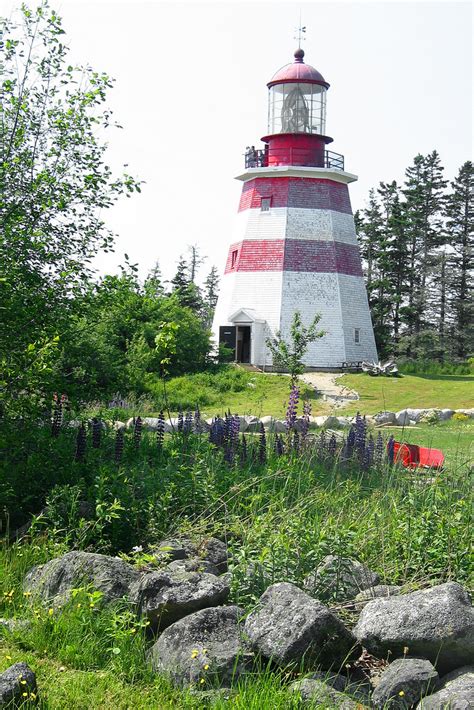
[
  {"x": 119, "y": 440},
  {"x": 217, "y": 431},
  {"x": 80, "y": 444},
  {"x": 160, "y": 431},
  {"x": 187, "y": 423},
  {"x": 379, "y": 449},
  {"x": 262, "y": 445},
  {"x": 234, "y": 431},
  {"x": 306, "y": 416},
  {"x": 332, "y": 447},
  {"x": 292, "y": 409},
  {"x": 227, "y": 428},
  {"x": 137, "y": 431},
  {"x": 365, "y": 459},
  {"x": 322, "y": 445},
  {"x": 351, "y": 438},
  {"x": 243, "y": 450},
  {"x": 279, "y": 448},
  {"x": 228, "y": 454},
  {"x": 96, "y": 433},
  {"x": 391, "y": 450},
  {"x": 180, "y": 421}
]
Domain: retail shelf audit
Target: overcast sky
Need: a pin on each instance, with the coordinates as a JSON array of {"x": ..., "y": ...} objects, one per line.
[{"x": 191, "y": 94}]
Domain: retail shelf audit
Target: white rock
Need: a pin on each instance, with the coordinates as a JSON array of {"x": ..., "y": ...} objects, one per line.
[
  {"x": 118, "y": 426},
  {"x": 467, "y": 412},
  {"x": 403, "y": 418}
]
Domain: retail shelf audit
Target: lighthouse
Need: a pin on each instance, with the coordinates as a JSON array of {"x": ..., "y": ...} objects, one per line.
[{"x": 294, "y": 246}]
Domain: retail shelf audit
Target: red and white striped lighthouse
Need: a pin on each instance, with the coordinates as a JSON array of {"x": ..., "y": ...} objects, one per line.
[{"x": 294, "y": 245}]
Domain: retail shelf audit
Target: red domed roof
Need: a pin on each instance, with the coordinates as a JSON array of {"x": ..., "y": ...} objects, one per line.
[{"x": 298, "y": 71}]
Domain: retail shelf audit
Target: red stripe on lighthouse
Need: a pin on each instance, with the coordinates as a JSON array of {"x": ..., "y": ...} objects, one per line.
[
  {"x": 294, "y": 255},
  {"x": 309, "y": 193}
]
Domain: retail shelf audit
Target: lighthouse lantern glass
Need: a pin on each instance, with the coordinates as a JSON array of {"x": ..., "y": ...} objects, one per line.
[{"x": 297, "y": 108}]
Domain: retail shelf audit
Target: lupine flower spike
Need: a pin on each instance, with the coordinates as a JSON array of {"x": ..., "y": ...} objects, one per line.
[
  {"x": 96, "y": 433},
  {"x": 80, "y": 444},
  {"x": 137, "y": 432},
  {"x": 118, "y": 446}
]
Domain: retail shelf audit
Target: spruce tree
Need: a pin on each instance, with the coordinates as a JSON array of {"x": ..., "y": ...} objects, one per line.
[
  {"x": 211, "y": 291},
  {"x": 460, "y": 228}
]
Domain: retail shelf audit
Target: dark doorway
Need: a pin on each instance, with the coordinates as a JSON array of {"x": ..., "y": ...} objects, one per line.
[
  {"x": 227, "y": 337},
  {"x": 243, "y": 343}
]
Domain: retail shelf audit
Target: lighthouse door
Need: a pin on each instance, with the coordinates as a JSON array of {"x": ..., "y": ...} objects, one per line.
[{"x": 243, "y": 343}]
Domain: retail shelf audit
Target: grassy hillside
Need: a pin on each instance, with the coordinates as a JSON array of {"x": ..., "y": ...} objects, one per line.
[{"x": 417, "y": 391}]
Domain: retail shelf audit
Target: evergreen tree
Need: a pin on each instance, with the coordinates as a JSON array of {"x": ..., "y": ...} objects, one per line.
[
  {"x": 211, "y": 292},
  {"x": 460, "y": 228},
  {"x": 154, "y": 282},
  {"x": 195, "y": 261},
  {"x": 424, "y": 193},
  {"x": 186, "y": 291}
]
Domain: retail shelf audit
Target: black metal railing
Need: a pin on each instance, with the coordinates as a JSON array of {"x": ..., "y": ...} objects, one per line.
[{"x": 257, "y": 158}]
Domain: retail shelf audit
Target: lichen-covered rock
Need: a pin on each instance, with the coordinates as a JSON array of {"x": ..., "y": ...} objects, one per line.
[
  {"x": 435, "y": 623},
  {"x": 339, "y": 578},
  {"x": 456, "y": 692},
  {"x": 404, "y": 683},
  {"x": 355, "y": 689},
  {"x": 316, "y": 693},
  {"x": 383, "y": 418},
  {"x": 15, "y": 625},
  {"x": 380, "y": 590},
  {"x": 166, "y": 596},
  {"x": 192, "y": 564},
  {"x": 207, "y": 645},
  {"x": 290, "y": 627},
  {"x": 17, "y": 683},
  {"x": 53, "y": 581},
  {"x": 209, "y": 550}
]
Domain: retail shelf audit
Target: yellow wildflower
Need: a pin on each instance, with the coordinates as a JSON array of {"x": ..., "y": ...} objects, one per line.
[
  {"x": 27, "y": 594},
  {"x": 133, "y": 631},
  {"x": 401, "y": 693},
  {"x": 51, "y": 611},
  {"x": 195, "y": 653},
  {"x": 9, "y": 658},
  {"x": 32, "y": 696},
  {"x": 25, "y": 695},
  {"x": 202, "y": 681},
  {"x": 23, "y": 682},
  {"x": 206, "y": 667}
]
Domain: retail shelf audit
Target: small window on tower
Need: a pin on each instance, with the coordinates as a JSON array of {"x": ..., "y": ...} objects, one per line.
[
  {"x": 234, "y": 258},
  {"x": 357, "y": 336},
  {"x": 265, "y": 204}
]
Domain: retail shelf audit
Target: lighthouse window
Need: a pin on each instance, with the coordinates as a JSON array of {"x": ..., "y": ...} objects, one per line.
[
  {"x": 234, "y": 258},
  {"x": 357, "y": 336},
  {"x": 265, "y": 204}
]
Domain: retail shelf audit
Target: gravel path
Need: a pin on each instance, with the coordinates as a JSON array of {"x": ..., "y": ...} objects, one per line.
[{"x": 331, "y": 391}]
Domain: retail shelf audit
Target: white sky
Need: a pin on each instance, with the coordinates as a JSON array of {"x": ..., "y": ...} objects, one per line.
[{"x": 191, "y": 94}]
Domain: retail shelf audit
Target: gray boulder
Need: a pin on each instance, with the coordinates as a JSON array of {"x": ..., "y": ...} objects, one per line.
[
  {"x": 455, "y": 693},
  {"x": 358, "y": 690},
  {"x": 290, "y": 627},
  {"x": 445, "y": 414},
  {"x": 404, "y": 683},
  {"x": 249, "y": 423},
  {"x": 436, "y": 623},
  {"x": 15, "y": 682},
  {"x": 316, "y": 693},
  {"x": 380, "y": 590},
  {"x": 205, "y": 645},
  {"x": 167, "y": 596},
  {"x": 14, "y": 625},
  {"x": 54, "y": 580},
  {"x": 339, "y": 578},
  {"x": 192, "y": 564},
  {"x": 385, "y": 418},
  {"x": 209, "y": 550},
  {"x": 153, "y": 424}
]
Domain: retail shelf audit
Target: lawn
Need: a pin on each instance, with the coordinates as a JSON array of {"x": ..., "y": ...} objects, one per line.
[{"x": 415, "y": 391}]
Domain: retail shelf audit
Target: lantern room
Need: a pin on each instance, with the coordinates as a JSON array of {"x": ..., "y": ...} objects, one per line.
[
  {"x": 297, "y": 99},
  {"x": 297, "y": 117}
]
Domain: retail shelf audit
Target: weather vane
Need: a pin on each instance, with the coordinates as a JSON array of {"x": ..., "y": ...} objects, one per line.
[{"x": 300, "y": 32}]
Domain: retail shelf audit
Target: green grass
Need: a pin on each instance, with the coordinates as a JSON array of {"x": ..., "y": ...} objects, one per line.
[{"x": 414, "y": 391}]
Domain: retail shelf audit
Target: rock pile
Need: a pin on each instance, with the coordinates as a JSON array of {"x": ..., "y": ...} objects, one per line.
[{"x": 201, "y": 642}]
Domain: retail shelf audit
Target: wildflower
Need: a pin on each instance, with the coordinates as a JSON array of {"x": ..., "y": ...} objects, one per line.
[
  {"x": 27, "y": 594},
  {"x": 401, "y": 693},
  {"x": 160, "y": 431},
  {"x": 96, "y": 433},
  {"x": 195, "y": 653},
  {"x": 32, "y": 696},
  {"x": 9, "y": 658},
  {"x": 405, "y": 650},
  {"x": 204, "y": 651},
  {"x": 391, "y": 450},
  {"x": 306, "y": 416},
  {"x": 137, "y": 432},
  {"x": 22, "y": 681},
  {"x": 202, "y": 681},
  {"x": 62, "y": 669},
  {"x": 291, "y": 411},
  {"x": 118, "y": 446},
  {"x": 24, "y": 695},
  {"x": 133, "y": 631},
  {"x": 80, "y": 444},
  {"x": 91, "y": 605},
  {"x": 206, "y": 667},
  {"x": 188, "y": 423},
  {"x": 262, "y": 445},
  {"x": 51, "y": 611},
  {"x": 180, "y": 421},
  {"x": 79, "y": 605}
]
